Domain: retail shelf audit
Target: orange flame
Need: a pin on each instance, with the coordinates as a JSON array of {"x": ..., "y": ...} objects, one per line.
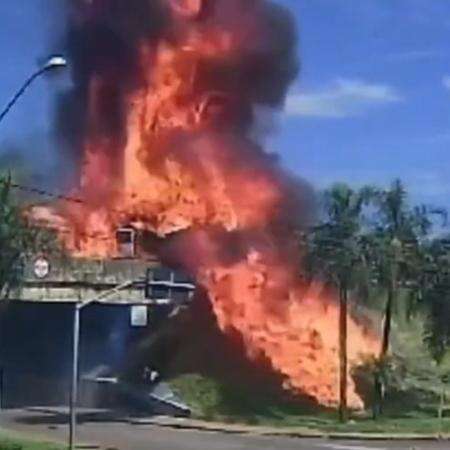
[{"x": 184, "y": 170}]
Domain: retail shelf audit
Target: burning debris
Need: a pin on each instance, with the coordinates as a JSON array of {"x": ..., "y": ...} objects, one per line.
[{"x": 160, "y": 123}]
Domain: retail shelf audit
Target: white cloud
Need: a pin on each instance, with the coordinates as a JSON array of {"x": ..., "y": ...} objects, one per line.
[
  {"x": 446, "y": 82},
  {"x": 344, "y": 98}
]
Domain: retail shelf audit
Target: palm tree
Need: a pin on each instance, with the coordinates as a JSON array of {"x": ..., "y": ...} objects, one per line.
[
  {"x": 335, "y": 255},
  {"x": 396, "y": 257},
  {"x": 395, "y": 247}
]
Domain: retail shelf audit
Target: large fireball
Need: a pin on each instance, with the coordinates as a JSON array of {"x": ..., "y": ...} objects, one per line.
[{"x": 168, "y": 93}]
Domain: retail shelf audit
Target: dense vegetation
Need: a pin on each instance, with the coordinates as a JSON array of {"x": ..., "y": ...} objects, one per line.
[
  {"x": 15, "y": 238},
  {"x": 370, "y": 241},
  {"x": 18, "y": 239}
]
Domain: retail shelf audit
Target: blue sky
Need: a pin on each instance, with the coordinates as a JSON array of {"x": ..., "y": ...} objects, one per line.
[
  {"x": 24, "y": 42},
  {"x": 372, "y": 102}
]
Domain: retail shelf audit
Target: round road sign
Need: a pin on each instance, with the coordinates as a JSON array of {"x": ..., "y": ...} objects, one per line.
[{"x": 41, "y": 268}]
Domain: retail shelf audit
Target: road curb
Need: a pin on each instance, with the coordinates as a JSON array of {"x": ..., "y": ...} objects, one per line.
[{"x": 214, "y": 427}]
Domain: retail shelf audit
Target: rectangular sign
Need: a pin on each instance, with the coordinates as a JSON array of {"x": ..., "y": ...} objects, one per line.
[{"x": 139, "y": 317}]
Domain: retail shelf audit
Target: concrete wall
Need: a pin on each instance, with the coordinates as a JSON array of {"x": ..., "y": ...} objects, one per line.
[{"x": 72, "y": 280}]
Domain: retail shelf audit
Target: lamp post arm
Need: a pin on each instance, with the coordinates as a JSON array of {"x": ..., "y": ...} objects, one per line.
[
  {"x": 21, "y": 91},
  {"x": 105, "y": 294}
]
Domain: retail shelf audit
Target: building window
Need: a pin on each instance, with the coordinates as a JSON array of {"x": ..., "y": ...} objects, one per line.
[{"x": 126, "y": 242}]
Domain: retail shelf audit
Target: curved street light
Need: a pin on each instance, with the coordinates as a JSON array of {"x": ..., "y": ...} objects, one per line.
[{"x": 54, "y": 62}]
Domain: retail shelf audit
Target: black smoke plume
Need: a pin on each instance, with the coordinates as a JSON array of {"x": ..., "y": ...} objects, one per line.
[{"x": 102, "y": 41}]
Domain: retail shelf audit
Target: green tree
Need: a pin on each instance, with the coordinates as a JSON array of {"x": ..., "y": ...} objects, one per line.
[
  {"x": 396, "y": 259},
  {"x": 335, "y": 254},
  {"x": 436, "y": 297},
  {"x": 14, "y": 238},
  {"x": 18, "y": 240},
  {"x": 395, "y": 248}
]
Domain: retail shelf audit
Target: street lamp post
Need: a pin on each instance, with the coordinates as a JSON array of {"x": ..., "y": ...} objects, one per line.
[
  {"x": 75, "y": 355},
  {"x": 74, "y": 385},
  {"x": 168, "y": 284},
  {"x": 55, "y": 62}
]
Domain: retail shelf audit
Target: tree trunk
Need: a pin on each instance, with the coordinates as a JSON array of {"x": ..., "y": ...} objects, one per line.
[
  {"x": 378, "y": 383},
  {"x": 343, "y": 307},
  {"x": 387, "y": 320},
  {"x": 377, "y": 410}
]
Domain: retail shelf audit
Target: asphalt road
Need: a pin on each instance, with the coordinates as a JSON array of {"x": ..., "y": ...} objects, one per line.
[{"x": 108, "y": 434}]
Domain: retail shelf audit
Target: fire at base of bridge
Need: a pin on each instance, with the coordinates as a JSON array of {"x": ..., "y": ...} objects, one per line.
[{"x": 167, "y": 97}]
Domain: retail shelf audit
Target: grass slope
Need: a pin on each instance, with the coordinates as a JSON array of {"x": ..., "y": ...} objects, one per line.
[
  {"x": 12, "y": 441},
  {"x": 411, "y": 405}
]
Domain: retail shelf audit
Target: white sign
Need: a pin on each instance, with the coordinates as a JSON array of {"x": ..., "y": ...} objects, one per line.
[
  {"x": 139, "y": 317},
  {"x": 41, "y": 268}
]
